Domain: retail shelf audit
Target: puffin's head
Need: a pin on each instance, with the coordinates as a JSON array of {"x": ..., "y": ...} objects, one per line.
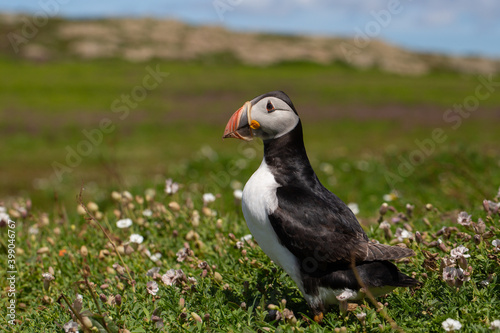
[{"x": 267, "y": 116}]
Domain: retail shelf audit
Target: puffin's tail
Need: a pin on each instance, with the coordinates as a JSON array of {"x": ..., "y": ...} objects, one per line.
[
  {"x": 404, "y": 280},
  {"x": 383, "y": 273}
]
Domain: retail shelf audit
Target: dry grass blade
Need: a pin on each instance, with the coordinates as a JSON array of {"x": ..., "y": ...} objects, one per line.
[
  {"x": 103, "y": 321},
  {"x": 92, "y": 218}
]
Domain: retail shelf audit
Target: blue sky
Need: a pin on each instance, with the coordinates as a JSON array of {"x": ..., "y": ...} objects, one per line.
[{"x": 449, "y": 26}]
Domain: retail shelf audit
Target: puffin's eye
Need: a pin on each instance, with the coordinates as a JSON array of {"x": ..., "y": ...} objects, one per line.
[{"x": 270, "y": 106}]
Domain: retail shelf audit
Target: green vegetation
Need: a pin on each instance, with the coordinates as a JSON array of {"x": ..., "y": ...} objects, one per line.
[
  {"x": 349, "y": 116},
  {"x": 368, "y": 134}
]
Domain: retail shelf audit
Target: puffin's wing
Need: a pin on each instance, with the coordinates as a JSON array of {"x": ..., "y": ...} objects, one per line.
[{"x": 319, "y": 227}]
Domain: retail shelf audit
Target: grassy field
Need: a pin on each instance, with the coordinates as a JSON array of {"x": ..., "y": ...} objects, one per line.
[
  {"x": 371, "y": 136},
  {"x": 349, "y": 116}
]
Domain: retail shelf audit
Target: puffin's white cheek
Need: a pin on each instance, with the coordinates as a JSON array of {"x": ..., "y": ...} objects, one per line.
[{"x": 285, "y": 125}]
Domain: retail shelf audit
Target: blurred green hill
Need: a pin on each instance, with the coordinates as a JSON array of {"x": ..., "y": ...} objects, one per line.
[{"x": 143, "y": 39}]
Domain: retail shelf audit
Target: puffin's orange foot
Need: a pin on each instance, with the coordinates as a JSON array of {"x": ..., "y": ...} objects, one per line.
[{"x": 319, "y": 317}]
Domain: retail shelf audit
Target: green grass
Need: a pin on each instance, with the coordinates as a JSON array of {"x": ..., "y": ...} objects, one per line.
[
  {"x": 348, "y": 114},
  {"x": 91, "y": 86},
  {"x": 359, "y": 127},
  {"x": 235, "y": 276}
]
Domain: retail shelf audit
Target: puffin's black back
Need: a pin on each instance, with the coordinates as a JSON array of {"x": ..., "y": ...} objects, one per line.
[{"x": 312, "y": 222}]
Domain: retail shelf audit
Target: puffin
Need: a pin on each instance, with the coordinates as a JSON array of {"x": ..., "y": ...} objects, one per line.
[{"x": 301, "y": 226}]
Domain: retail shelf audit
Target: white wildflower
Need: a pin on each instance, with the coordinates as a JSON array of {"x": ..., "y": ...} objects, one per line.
[
  {"x": 168, "y": 277},
  {"x": 154, "y": 257},
  {"x": 361, "y": 315},
  {"x": 464, "y": 219},
  {"x": 463, "y": 275},
  {"x": 450, "y": 325},
  {"x": 153, "y": 272},
  {"x": 33, "y": 230},
  {"x": 246, "y": 238},
  {"x": 136, "y": 238},
  {"x": 402, "y": 234},
  {"x": 47, "y": 277},
  {"x": 343, "y": 297},
  {"x": 172, "y": 277},
  {"x": 346, "y": 294},
  {"x": 203, "y": 265},
  {"x": 353, "y": 207},
  {"x": 147, "y": 212},
  {"x": 459, "y": 252},
  {"x": 124, "y": 223},
  {"x": 385, "y": 225},
  {"x": 23, "y": 211},
  {"x": 127, "y": 196},
  {"x": 495, "y": 324},
  {"x": 70, "y": 327},
  {"x": 492, "y": 206},
  {"x": 238, "y": 194},
  {"x": 152, "y": 287},
  {"x": 449, "y": 275},
  {"x": 171, "y": 187},
  {"x": 496, "y": 244},
  {"x": 455, "y": 277},
  {"x": 448, "y": 262},
  {"x": 390, "y": 196},
  {"x": 208, "y": 198},
  {"x": 183, "y": 254},
  {"x": 4, "y": 217}
]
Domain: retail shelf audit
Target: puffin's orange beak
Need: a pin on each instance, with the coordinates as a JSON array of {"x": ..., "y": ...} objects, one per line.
[{"x": 239, "y": 125}]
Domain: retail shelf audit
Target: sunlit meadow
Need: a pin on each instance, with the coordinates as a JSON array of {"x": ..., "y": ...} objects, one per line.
[{"x": 143, "y": 231}]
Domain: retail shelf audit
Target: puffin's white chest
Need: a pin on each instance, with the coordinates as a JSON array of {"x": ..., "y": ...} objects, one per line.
[{"x": 259, "y": 199}]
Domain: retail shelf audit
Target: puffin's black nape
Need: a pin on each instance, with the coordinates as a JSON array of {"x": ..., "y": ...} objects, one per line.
[{"x": 278, "y": 94}]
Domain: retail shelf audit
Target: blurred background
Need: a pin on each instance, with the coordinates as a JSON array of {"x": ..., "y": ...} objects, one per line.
[{"x": 399, "y": 99}]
